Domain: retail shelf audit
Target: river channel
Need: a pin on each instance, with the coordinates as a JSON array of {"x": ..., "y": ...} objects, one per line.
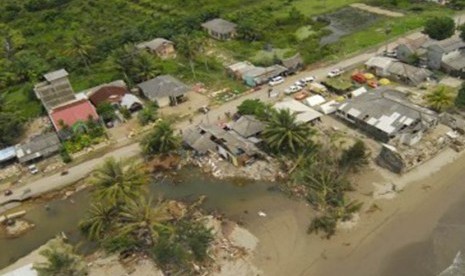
[{"x": 236, "y": 198}]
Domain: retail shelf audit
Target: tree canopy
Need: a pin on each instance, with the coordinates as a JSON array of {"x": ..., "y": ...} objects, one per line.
[
  {"x": 440, "y": 28},
  {"x": 440, "y": 99},
  {"x": 160, "y": 140}
]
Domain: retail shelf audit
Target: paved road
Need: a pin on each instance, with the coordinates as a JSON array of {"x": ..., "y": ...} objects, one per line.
[{"x": 80, "y": 171}]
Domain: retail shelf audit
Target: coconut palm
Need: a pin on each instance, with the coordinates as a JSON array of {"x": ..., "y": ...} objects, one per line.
[
  {"x": 79, "y": 46},
  {"x": 61, "y": 260},
  {"x": 116, "y": 183},
  {"x": 98, "y": 220},
  {"x": 160, "y": 140},
  {"x": 144, "y": 220},
  {"x": 284, "y": 134},
  {"x": 440, "y": 99},
  {"x": 189, "y": 46},
  {"x": 145, "y": 67}
]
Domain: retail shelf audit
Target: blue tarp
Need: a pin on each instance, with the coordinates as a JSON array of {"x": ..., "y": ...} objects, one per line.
[{"x": 7, "y": 154}]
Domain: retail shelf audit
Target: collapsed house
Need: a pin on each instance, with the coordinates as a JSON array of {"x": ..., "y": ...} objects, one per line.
[
  {"x": 204, "y": 139},
  {"x": 387, "y": 114},
  {"x": 394, "y": 69}
]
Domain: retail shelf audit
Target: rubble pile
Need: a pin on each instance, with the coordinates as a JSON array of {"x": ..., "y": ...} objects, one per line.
[
  {"x": 10, "y": 171},
  {"x": 218, "y": 167}
]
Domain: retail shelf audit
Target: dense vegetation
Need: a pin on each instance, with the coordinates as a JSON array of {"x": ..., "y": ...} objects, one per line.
[
  {"x": 123, "y": 220},
  {"x": 93, "y": 40}
]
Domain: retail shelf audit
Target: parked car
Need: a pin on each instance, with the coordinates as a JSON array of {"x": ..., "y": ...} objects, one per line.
[
  {"x": 300, "y": 83},
  {"x": 301, "y": 95},
  {"x": 359, "y": 77},
  {"x": 309, "y": 79},
  {"x": 33, "y": 169},
  {"x": 276, "y": 80},
  {"x": 335, "y": 72},
  {"x": 372, "y": 83},
  {"x": 292, "y": 89}
]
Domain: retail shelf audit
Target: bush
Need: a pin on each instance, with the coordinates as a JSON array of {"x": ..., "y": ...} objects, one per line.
[
  {"x": 65, "y": 155},
  {"x": 460, "y": 99},
  {"x": 126, "y": 113},
  {"x": 147, "y": 115},
  {"x": 440, "y": 28}
]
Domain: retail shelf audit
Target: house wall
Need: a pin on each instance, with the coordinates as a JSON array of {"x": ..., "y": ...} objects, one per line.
[
  {"x": 164, "y": 101},
  {"x": 404, "y": 53},
  {"x": 434, "y": 55},
  {"x": 220, "y": 36},
  {"x": 369, "y": 129}
]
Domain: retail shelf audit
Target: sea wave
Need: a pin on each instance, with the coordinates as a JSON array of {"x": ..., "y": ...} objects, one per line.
[{"x": 457, "y": 268}]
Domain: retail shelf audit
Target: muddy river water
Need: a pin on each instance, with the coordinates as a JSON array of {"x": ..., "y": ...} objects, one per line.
[{"x": 234, "y": 198}]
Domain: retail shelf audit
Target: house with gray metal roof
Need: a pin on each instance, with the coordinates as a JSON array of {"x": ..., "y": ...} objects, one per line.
[
  {"x": 164, "y": 90},
  {"x": 55, "y": 90},
  {"x": 392, "y": 68},
  {"x": 7, "y": 154},
  {"x": 37, "y": 147},
  {"x": 231, "y": 146},
  {"x": 161, "y": 47},
  {"x": 387, "y": 114},
  {"x": 248, "y": 126},
  {"x": 220, "y": 29},
  {"x": 445, "y": 50}
]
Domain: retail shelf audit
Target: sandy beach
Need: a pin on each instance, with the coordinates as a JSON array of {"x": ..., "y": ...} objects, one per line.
[{"x": 390, "y": 241}]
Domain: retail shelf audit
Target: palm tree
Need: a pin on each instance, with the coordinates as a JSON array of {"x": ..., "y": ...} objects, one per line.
[
  {"x": 61, "y": 261},
  {"x": 440, "y": 99},
  {"x": 140, "y": 218},
  {"x": 116, "y": 183},
  {"x": 284, "y": 134},
  {"x": 189, "y": 46},
  {"x": 123, "y": 60},
  {"x": 78, "y": 46},
  {"x": 145, "y": 67},
  {"x": 98, "y": 220},
  {"x": 161, "y": 140}
]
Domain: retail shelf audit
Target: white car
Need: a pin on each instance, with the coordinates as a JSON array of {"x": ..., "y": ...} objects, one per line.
[
  {"x": 309, "y": 79},
  {"x": 335, "y": 72},
  {"x": 33, "y": 169},
  {"x": 292, "y": 89},
  {"x": 300, "y": 83},
  {"x": 276, "y": 80}
]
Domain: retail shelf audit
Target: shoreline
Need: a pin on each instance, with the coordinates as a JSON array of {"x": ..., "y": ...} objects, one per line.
[{"x": 297, "y": 253}]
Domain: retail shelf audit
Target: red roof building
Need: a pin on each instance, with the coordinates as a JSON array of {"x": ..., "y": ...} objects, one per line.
[
  {"x": 110, "y": 94},
  {"x": 72, "y": 112}
]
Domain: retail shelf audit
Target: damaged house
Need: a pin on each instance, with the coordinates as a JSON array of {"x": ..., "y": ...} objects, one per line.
[
  {"x": 394, "y": 69},
  {"x": 206, "y": 139},
  {"x": 386, "y": 114}
]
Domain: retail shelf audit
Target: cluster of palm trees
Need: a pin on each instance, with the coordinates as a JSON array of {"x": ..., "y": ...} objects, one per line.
[
  {"x": 122, "y": 219},
  {"x": 319, "y": 168}
]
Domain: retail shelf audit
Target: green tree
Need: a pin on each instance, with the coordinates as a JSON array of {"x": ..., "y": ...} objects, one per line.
[
  {"x": 61, "y": 260},
  {"x": 116, "y": 182},
  {"x": 254, "y": 107},
  {"x": 146, "y": 67},
  {"x": 440, "y": 99},
  {"x": 440, "y": 28},
  {"x": 160, "y": 140},
  {"x": 189, "y": 46},
  {"x": 80, "y": 47},
  {"x": 11, "y": 127},
  {"x": 106, "y": 111},
  {"x": 123, "y": 60},
  {"x": 143, "y": 220},
  {"x": 354, "y": 157},
  {"x": 26, "y": 66},
  {"x": 11, "y": 40},
  {"x": 148, "y": 114},
  {"x": 284, "y": 134},
  {"x": 98, "y": 220},
  {"x": 460, "y": 99}
]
